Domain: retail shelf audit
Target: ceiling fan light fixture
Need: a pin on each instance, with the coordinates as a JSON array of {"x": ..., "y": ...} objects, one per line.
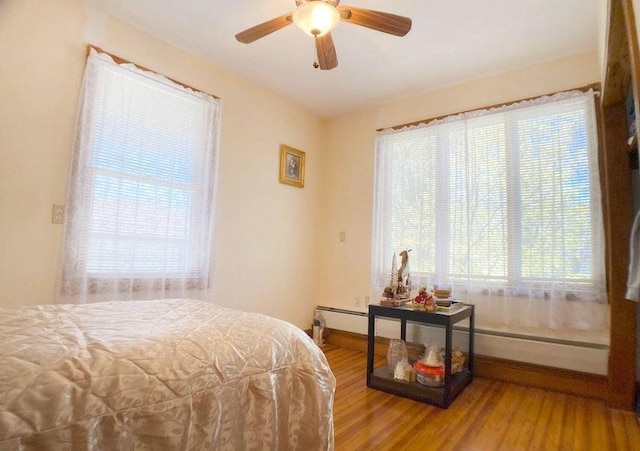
[{"x": 316, "y": 17}]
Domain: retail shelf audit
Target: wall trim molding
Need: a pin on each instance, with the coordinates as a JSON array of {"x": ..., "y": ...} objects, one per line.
[{"x": 560, "y": 380}]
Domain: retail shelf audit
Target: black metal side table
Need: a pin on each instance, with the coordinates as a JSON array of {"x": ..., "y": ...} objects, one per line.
[{"x": 382, "y": 379}]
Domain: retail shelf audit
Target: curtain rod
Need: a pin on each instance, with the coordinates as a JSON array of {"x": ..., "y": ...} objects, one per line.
[
  {"x": 120, "y": 60},
  {"x": 594, "y": 86}
]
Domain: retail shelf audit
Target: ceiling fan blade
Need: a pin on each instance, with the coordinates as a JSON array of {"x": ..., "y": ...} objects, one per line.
[
  {"x": 264, "y": 29},
  {"x": 327, "y": 58},
  {"x": 376, "y": 20}
]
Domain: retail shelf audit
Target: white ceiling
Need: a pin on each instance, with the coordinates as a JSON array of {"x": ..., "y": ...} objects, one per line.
[{"x": 451, "y": 41}]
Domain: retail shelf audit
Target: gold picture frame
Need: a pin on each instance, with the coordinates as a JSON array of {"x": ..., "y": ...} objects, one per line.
[{"x": 292, "y": 166}]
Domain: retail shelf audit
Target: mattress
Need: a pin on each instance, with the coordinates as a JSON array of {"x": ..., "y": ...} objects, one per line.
[{"x": 163, "y": 374}]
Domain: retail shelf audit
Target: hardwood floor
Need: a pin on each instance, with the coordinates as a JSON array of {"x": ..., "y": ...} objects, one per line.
[{"x": 487, "y": 415}]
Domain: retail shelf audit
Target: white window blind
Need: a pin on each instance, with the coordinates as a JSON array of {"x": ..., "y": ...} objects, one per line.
[
  {"x": 141, "y": 198},
  {"x": 496, "y": 203}
]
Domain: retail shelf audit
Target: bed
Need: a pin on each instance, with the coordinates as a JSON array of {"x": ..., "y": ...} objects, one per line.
[{"x": 163, "y": 374}]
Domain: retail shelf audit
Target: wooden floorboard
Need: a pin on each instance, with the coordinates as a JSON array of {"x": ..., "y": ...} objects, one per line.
[{"x": 487, "y": 415}]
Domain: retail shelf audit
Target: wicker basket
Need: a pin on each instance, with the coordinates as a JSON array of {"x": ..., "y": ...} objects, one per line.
[{"x": 457, "y": 361}]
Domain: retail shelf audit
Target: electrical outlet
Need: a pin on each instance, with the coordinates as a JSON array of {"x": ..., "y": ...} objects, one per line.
[
  {"x": 343, "y": 237},
  {"x": 57, "y": 214},
  {"x": 357, "y": 301}
]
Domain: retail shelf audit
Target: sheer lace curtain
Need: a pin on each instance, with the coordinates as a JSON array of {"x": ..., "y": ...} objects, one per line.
[
  {"x": 501, "y": 205},
  {"x": 140, "y": 207}
]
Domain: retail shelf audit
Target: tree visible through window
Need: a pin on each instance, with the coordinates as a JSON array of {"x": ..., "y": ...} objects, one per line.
[{"x": 504, "y": 202}]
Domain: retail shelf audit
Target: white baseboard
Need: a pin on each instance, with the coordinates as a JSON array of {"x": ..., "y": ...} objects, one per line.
[{"x": 583, "y": 357}]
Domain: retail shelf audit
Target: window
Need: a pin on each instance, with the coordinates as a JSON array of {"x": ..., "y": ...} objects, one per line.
[
  {"x": 496, "y": 203},
  {"x": 140, "y": 207}
]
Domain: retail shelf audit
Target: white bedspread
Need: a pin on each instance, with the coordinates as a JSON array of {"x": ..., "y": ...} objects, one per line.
[{"x": 172, "y": 374}]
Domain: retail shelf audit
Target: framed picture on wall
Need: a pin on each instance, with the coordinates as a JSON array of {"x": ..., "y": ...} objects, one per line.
[{"x": 291, "y": 166}]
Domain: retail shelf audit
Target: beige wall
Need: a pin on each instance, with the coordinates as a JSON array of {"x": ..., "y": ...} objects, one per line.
[
  {"x": 42, "y": 56},
  {"x": 277, "y": 247},
  {"x": 349, "y": 162},
  {"x": 266, "y": 233}
]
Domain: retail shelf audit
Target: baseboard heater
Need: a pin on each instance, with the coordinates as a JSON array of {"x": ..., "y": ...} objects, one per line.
[{"x": 557, "y": 353}]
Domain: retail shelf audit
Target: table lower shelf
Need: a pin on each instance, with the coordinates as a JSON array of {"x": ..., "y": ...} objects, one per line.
[{"x": 382, "y": 379}]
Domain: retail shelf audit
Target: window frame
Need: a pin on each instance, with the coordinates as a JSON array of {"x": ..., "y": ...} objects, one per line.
[
  {"x": 514, "y": 274},
  {"x": 193, "y": 278}
]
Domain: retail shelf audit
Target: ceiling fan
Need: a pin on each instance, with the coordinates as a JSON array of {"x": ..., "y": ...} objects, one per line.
[{"x": 318, "y": 17}]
